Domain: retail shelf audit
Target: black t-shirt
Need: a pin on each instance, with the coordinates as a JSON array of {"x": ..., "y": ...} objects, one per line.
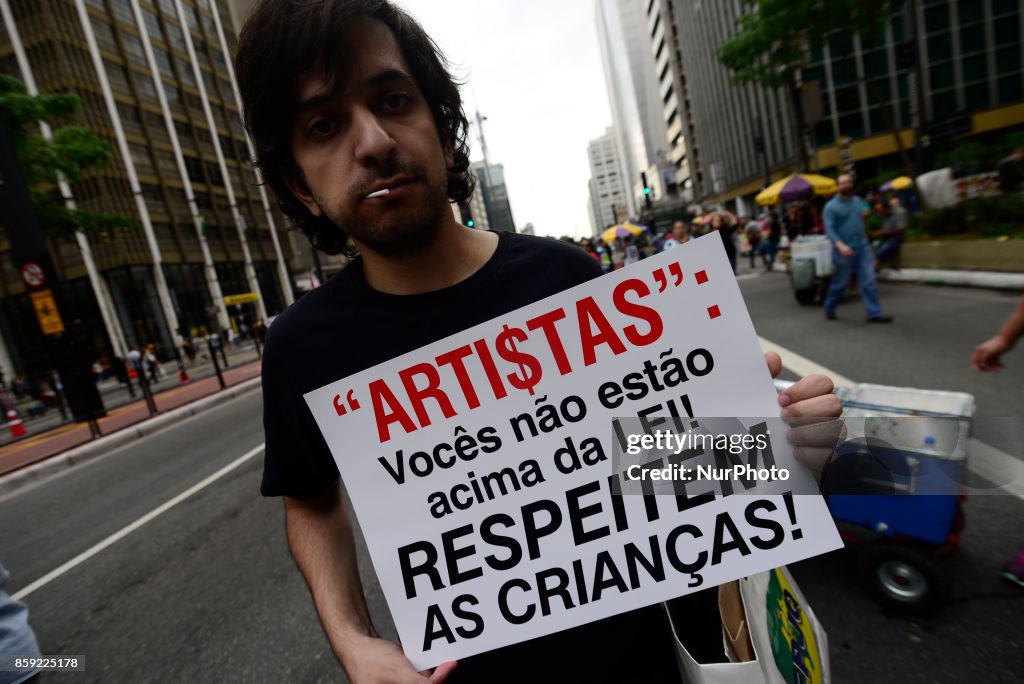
[{"x": 345, "y": 327}]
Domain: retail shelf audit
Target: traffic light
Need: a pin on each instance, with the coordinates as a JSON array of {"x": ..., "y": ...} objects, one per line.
[
  {"x": 647, "y": 189},
  {"x": 466, "y": 215}
]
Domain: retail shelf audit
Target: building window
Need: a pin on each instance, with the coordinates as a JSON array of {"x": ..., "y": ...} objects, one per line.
[
  {"x": 940, "y": 47},
  {"x": 146, "y": 87},
  {"x": 185, "y": 72},
  {"x": 1010, "y": 89},
  {"x": 152, "y": 23},
  {"x": 972, "y": 38},
  {"x": 104, "y": 33},
  {"x": 118, "y": 76},
  {"x": 976, "y": 96},
  {"x": 975, "y": 68},
  {"x": 1007, "y": 60},
  {"x": 937, "y": 18},
  {"x": 970, "y": 11},
  {"x": 852, "y": 125},
  {"x": 133, "y": 48},
  {"x": 163, "y": 62},
  {"x": 1004, "y": 6},
  {"x": 1007, "y": 31},
  {"x": 944, "y": 103},
  {"x": 941, "y": 76},
  {"x": 123, "y": 11}
]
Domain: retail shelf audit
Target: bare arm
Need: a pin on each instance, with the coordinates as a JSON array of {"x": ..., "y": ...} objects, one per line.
[
  {"x": 322, "y": 544},
  {"x": 986, "y": 356}
]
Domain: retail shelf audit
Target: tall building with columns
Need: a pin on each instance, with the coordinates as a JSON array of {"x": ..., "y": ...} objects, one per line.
[{"x": 156, "y": 81}]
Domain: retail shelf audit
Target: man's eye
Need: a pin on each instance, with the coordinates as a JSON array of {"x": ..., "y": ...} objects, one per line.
[
  {"x": 322, "y": 128},
  {"x": 395, "y": 101}
]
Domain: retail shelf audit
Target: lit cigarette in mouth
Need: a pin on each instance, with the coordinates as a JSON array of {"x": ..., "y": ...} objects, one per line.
[{"x": 379, "y": 193}]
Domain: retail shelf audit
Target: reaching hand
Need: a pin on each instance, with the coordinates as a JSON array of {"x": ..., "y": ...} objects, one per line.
[{"x": 986, "y": 355}]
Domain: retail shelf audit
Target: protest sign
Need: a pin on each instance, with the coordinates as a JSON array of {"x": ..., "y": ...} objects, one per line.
[{"x": 481, "y": 466}]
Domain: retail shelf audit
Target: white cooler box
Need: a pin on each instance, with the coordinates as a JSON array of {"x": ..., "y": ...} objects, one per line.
[
  {"x": 817, "y": 248},
  {"x": 941, "y": 428}
]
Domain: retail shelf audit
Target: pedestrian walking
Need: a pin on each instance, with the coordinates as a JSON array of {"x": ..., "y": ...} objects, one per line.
[
  {"x": 618, "y": 254},
  {"x": 726, "y": 231},
  {"x": 679, "y": 236},
  {"x": 152, "y": 364},
  {"x": 851, "y": 252},
  {"x": 416, "y": 277},
  {"x": 632, "y": 253},
  {"x": 753, "y": 233},
  {"x": 770, "y": 244}
]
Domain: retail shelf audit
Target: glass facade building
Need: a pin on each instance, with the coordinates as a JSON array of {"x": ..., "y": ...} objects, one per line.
[
  {"x": 867, "y": 98},
  {"x": 156, "y": 81}
]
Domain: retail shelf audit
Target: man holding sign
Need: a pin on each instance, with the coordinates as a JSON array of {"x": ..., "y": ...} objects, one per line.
[{"x": 359, "y": 129}]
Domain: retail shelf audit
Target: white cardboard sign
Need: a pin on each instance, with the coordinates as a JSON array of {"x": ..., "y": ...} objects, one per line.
[{"x": 480, "y": 466}]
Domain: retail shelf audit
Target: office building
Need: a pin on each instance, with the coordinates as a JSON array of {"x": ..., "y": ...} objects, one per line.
[
  {"x": 607, "y": 184},
  {"x": 490, "y": 183},
  {"x": 156, "y": 81},
  {"x": 637, "y": 110},
  {"x": 685, "y": 177},
  {"x": 859, "y": 93}
]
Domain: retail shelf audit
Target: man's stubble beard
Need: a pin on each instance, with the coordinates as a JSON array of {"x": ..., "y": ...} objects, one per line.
[{"x": 401, "y": 230}]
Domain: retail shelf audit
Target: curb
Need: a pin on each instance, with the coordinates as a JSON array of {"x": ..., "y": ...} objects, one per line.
[
  {"x": 86, "y": 452},
  {"x": 934, "y": 276}
]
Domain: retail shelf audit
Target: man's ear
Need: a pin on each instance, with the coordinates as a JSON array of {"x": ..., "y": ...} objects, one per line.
[{"x": 296, "y": 183}]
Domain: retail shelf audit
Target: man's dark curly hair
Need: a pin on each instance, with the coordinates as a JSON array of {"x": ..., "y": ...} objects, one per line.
[{"x": 283, "y": 39}]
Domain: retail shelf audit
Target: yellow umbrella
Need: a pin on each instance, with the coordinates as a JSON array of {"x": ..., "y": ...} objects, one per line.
[
  {"x": 898, "y": 183},
  {"x": 622, "y": 230},
  {"x": 796, "y": 187}
]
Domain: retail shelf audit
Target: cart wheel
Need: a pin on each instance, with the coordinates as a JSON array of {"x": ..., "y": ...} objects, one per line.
[
  {"x": 900, "y": 576},
  {"x": 806, "y": 296}
]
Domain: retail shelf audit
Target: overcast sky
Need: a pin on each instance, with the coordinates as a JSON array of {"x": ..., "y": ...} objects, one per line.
[{"x": 533, "y": 68}]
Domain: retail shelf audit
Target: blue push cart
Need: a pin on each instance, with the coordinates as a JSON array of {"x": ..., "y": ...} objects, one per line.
[{"x": 896, "y": 488}]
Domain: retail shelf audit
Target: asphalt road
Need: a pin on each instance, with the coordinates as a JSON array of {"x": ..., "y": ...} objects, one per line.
[{"x": 206, "y": 591}]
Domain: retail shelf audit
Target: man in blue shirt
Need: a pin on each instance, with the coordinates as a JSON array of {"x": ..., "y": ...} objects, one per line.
[{"x": 844, "y": 223}]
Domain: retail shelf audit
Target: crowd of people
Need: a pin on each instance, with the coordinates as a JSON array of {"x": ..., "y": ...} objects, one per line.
[{"x": 762, "y": 237}]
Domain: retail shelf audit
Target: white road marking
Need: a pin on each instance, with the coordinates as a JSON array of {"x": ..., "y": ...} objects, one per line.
[
  {"x": 801, "y": 365},
  {"x": 128, "y": 529},
  {"x": 986, "y": 461}
]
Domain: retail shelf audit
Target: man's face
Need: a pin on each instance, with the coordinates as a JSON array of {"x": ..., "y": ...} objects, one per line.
[
  {"x": 845, "y": 184},
  {"x": 370, "y": 129},
  {"x": 679, "y": 231}
]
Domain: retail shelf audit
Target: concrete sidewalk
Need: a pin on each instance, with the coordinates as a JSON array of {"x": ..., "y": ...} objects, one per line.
[{"x": 32, "y": 458}]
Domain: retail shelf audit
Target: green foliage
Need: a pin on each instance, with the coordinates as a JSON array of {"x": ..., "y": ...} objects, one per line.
[
  {"x": 971, "y": 156},
  {"x": 979, "y": 217},
  {"x": 72, "y": 152},
  {"x": 770, "y": 44}
]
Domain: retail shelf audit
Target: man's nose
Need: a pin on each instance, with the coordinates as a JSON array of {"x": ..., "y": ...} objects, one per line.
[{"x": 373, "y": 143}]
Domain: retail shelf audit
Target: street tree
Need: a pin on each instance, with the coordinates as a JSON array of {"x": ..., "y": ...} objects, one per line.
[
  {"x": 774, "y": 38},
  {"x": 71, "y": 152}
]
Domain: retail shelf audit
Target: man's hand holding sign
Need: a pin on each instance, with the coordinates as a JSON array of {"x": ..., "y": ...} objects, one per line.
[{"x": 480, "y": 466}]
